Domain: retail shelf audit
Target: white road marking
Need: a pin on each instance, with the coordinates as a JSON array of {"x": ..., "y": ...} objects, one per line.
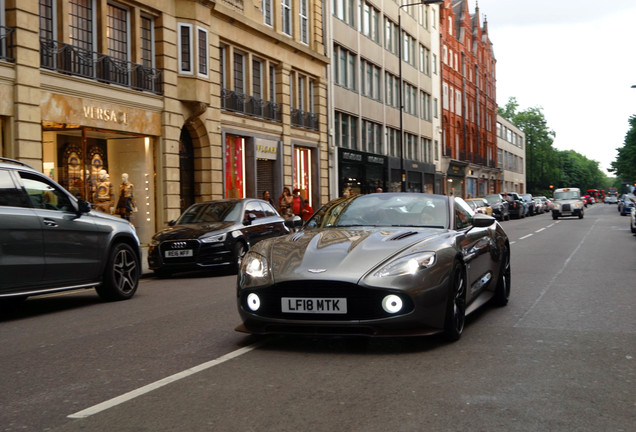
[
  {"x": 162, "y": 382},
  {"x": 554, "y": 278},
  {"x": 539, "y": 230},
  {"x": 525, "y": 236}
]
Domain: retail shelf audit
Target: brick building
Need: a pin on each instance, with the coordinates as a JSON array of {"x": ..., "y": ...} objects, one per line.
[{"x": 469, "y": 108}]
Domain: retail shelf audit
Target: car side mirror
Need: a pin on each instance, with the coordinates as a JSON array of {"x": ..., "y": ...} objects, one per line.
[
  {"x": 481, "y": 220},
  {"x": 251, "y": 217},
  {"x": 172, "y": 222},
  {"x": 294, "y": 222},
  {"x": 83, "y": 206}
]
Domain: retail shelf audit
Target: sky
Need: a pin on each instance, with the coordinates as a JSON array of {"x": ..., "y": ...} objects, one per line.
[{"x": 574, "y": 59}]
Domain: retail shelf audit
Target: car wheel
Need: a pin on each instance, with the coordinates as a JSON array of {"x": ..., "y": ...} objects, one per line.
[
  {"x": 581, "y": 215},
  {"x": 456, "y": 306},
  {"x": 502, "y": 290},
  {"x": 239, "y": 252},
  {"x": 121, "y": 276},
  {"x": 633, "y": 229},
  {"x": 507, "y": 217}
]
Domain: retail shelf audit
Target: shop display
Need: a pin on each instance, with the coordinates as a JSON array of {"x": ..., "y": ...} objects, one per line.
[{"x": 126, "y": 202}]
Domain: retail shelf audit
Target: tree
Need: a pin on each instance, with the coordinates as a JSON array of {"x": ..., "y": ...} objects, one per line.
[{"x": 625, "y": 164}]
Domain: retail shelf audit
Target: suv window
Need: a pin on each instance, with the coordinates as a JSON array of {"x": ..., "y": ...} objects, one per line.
[
  {"x": 43, "y": 195},
  {"x": 10, "y": 195}
]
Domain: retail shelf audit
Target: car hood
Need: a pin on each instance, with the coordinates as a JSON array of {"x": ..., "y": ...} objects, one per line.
[
  {"x": 344, "y": 254},
  {"x": 191, "y": 231}
]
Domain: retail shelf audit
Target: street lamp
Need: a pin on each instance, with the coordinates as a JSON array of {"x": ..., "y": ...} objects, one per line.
[{"x": 401, "y": 93}]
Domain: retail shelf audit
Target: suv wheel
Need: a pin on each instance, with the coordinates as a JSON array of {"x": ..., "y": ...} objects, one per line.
[{"x": 121, "y": 275}]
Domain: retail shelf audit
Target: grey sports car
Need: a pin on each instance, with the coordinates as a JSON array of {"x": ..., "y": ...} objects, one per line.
[{"x": 381, "y": 264}]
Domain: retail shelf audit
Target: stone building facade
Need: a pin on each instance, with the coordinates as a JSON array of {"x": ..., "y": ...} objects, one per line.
[
  {"x": 469, "y": 108},
  {"x": 193, "y": 99},
  {"x": 373, "y": 146}
]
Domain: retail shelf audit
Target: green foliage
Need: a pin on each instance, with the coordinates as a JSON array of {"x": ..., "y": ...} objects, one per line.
[
  {"x": 625, "y": 164},
  {"x": 546, "y": 166}
]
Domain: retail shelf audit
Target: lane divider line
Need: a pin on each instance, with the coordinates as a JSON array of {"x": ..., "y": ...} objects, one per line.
[
  {"x": 161, "y": 383},
  {"x": 525, "y": 236},
  {"x": 555, "y": 277}
]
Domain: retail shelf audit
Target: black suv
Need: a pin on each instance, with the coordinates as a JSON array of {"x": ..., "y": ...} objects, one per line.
[
  {"x": 50, "y": 241},
  {"x": 516, "y": 205}
]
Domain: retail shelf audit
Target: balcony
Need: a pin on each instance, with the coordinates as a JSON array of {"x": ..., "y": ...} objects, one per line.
[
  {"x": 68, "y": 59},
  {"x": 304, "y": 119},
  {"x": 250, "y": 105},
  {"x": 6, "y": 43}
]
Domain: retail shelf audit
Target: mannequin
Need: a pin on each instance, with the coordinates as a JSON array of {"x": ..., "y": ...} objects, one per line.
[
  {"x": 126, "y": 202},
  {"x": 103, "y": 196}
]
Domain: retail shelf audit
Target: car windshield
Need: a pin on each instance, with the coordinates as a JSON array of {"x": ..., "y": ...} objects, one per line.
[
  {"x": 222, "y": 211},
  {"x": 417, "y": 210},
  {"x": 566, "y": 195},
  {"x": 493, "y": 198}
]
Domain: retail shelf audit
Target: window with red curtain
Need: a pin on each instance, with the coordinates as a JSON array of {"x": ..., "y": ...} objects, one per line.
[
  {"x": 302, "y": 172},
  {"x": 234, "y": 166}
]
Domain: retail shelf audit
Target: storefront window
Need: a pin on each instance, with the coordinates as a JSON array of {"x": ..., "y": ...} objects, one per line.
[
  {"x": 302, "y": 173},
  {"x": 234, "y": 167},
  {"x": 112, "y": 171}
]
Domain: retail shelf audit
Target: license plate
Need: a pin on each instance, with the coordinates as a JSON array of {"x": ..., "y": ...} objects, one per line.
[
  {"x": 178, "y": 253},
  {"x": 314, "y": 305}
]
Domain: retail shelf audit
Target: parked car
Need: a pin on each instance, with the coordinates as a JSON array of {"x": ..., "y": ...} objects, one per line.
[
  {"x": 543, "y": 204},
  {"x": 610, "y": 199},
  {"x": 499, "y": 206},
  {"x": 626, "y": 203},
  {"x": 51, "y": 241},
  {"x": 213, "y": 234},
  {"x": 632, "y": 219},
  {"x": 530, "y": 204},
  {"x": 480, "y": 205},
  {"x": 567, "y": 202},
  {"x": 516, "y": 205},
  {"x": 378, "y": 264}
]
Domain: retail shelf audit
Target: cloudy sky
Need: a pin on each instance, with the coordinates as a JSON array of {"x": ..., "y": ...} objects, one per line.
[{"x": 575, "y": 59}]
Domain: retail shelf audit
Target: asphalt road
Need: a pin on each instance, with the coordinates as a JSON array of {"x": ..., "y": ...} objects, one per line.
[{"x": 559, "y": 357}]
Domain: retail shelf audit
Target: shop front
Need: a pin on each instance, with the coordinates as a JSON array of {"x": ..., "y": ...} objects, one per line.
[
  {"x": 420, "y": 176},
  {"x": 251, "y": 166},
  {"x": 455, "y": 179},
  {"x": 361, "y": 173},
  {"x": 103, "y": 153}
]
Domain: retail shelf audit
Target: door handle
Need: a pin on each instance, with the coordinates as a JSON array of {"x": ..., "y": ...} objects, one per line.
[{"x": 49, "y": 222}]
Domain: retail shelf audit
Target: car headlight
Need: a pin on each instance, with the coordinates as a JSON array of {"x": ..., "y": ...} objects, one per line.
[
  {"x": 409, "y": 264},
  {"x": 213, "y": 238},
  {"x": 255, "y": 265}
]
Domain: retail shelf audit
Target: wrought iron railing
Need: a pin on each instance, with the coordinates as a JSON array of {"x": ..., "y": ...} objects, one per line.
[
  {"x": 243, "y": 103},
  {"x": 6, "y": 43},
  {"x": 304, "y": 119},
  {"x": 72, "y": 60}
]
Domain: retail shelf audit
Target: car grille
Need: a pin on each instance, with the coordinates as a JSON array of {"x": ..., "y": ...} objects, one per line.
[
  {"x": 362, "y": 303},
  {"x": 566, "y": 208}
]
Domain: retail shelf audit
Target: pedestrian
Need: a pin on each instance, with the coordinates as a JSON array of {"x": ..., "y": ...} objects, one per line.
[
  {"x": 297, "y": 203},
  {"x": 285, "y": 204},
  {"x": 267, "y": 196},
  {"x": 378, "y": 190},
  {"x": 307, "y": 211}
]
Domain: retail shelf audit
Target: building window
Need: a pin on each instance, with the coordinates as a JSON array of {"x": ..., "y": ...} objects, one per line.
[
  {"x": 257, "y": 79},
  {"x": 202, "y": 50},
  {"x": 303, "y": 15},
  {"x": 286, "y": 17},
  {"x": 47, "y": 19},
  {"x": 117, "y": 32},
  {"x": 371, "y": 137},
  {"x": 147, "y": 42},
  {"x": 268, "y": 17},
  {"x": 369, "y": 22},
  {"x": 185, "y": 48},
  {"x": 272, "y": 83},
  {"x": 239, "y": 68},
  {"x": 81, "y": 14},
  {"x": 370, "y": 80},
  {"x": 344, "y": 68},
  {"x": 346, "y": 130},
  {"x": 344, "y": 10}
]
